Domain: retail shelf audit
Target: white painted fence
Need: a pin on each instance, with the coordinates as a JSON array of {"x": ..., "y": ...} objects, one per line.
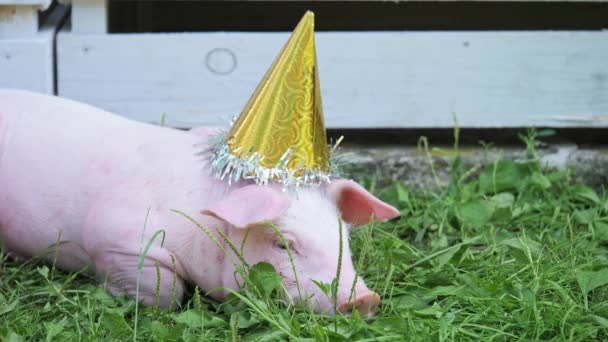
[
  {"x": 26, "y": 48},
  {"x": 377, "y": 79},
  {"x": 373, "y": 79}
]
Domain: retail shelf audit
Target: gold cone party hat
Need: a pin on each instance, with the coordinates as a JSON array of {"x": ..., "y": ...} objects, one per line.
[{"x": 280, "y": 134}]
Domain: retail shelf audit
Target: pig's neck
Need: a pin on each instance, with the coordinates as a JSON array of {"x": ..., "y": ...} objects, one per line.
[{"x": 204, "y": 260}]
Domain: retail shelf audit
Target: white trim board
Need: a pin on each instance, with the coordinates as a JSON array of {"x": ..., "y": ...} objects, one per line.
[
  {"x": 27, "y": 62},
  {"x": 40, "y": 4},
  {"x": 19, "y": 18},
  {"x": 89, "y": 16},
  {"x": 368, "y": 79}
]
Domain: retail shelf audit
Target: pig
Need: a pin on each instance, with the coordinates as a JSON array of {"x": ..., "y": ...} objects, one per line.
[{"x": 102, "y": 185}]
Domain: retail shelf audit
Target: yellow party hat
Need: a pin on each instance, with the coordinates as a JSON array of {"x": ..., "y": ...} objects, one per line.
[{"x": 280, "y": 134}]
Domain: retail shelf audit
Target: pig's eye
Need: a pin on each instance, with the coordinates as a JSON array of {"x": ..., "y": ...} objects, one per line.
[{"x": 280, "y": 244}]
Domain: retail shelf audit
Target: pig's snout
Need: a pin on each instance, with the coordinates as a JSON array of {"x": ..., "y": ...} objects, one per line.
[{"x": 365, "y": 303}]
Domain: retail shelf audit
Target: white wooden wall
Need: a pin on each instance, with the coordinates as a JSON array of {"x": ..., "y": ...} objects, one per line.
[
  {"x": 26, "y": 49},
  {"x": 368, "y": 79}
]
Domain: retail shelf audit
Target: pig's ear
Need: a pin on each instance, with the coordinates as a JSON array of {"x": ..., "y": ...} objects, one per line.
[
  {"x": 356, "y": 204},
  {"x": 249, "y": 205}
]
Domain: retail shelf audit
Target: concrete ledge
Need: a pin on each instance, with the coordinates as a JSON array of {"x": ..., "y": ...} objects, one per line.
[{"x": 413, "y": 166}]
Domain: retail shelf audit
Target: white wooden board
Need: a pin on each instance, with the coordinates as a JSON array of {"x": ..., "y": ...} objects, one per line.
[
  {"x": 27, "y": 61},
  {"x": 368, "y": 79},
  {"x": 89, "y": 16},
  {"x": 18, "y": 21},
  {"x": 19, "y": 18},
  {"x": 40, "y": 4}
]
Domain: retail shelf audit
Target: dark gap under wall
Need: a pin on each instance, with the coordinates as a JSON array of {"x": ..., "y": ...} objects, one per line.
[
  {"x": 192, "y": 16},
  {"x": 468, "y": 136}
]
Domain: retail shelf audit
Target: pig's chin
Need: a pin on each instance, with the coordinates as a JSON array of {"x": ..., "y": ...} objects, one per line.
[
  {"x": 315, "y": 300},
  {"x": 322, "y": 306},
  {"x": 320, "y": 303}
]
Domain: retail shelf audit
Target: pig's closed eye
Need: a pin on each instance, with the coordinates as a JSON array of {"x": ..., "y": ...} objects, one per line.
[{"x": 282, "y": 245}]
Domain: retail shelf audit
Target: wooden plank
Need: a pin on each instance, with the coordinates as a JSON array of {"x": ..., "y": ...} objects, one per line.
[
  {"x": 19, "y": 18},
  {"x": 28, "y": 62},
  {"x": 368, "y": 79},
  {"x": 18, "y": 21},
  {"x": 89, "y": 16},
  {"x": 39, "y": 4}
]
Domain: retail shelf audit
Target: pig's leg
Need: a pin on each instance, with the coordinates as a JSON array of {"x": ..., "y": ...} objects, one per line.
[
  {"x": 115, "y": 246},
  {"x": 158, "y": 282}
]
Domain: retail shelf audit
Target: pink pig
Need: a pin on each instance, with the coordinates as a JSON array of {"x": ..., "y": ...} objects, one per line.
[{"x": 71, "y": 169}]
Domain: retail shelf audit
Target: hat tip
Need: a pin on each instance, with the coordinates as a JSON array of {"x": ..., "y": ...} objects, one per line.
[{"x": 310, "y": 15}]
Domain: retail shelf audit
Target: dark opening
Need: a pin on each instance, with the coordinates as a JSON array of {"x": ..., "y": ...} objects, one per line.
[
  {"x": 468, "y": 136},
  {"x": 194, "y": 16}
]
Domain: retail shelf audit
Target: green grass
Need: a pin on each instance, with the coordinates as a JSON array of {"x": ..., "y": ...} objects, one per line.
[{"x": 510, "y": 251}]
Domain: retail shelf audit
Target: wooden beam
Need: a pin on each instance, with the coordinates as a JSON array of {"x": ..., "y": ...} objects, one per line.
[
  {"x": 18, "y": 21},
  {"x": 28, "y": 62},
  {"x": 39, "y": 4},
  {"x": 89, "y": 16},
  {"x": 368, "y": 79}
]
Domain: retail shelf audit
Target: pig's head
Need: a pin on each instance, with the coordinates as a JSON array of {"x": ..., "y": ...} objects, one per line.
[{"x": 308, "y": 220}]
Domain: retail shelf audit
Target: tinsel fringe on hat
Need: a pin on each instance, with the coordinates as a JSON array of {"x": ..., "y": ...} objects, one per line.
[{"x": 227, "y": 166}]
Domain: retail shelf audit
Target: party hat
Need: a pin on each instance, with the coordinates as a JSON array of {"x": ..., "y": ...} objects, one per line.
[{"x": 280, "y": 135}]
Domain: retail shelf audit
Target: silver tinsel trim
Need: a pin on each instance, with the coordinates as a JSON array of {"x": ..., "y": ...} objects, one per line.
[{"x": 226, "y": 165}]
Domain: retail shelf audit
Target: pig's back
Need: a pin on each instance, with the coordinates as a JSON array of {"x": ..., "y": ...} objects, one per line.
[{"x": 56, "y": 156}]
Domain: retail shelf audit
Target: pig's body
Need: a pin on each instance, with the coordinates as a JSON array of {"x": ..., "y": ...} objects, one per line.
[
  {"x": 69, "y": 167},
  {"x": 93, "y": 176}
]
